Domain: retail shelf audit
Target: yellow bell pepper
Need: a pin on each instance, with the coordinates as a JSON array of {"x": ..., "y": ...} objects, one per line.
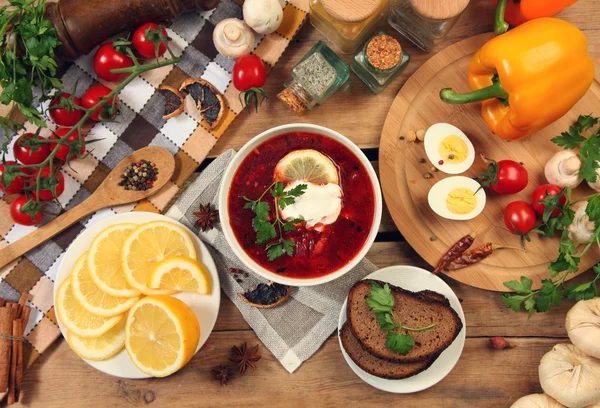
[{"x": 528, "y": 77}]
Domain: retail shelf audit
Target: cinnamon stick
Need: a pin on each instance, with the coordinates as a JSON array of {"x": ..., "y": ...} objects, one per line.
[
  {"x": 12, "y": 380},
  {"x": 25, "y": 312},
  {"x": 5, "y": 347}
]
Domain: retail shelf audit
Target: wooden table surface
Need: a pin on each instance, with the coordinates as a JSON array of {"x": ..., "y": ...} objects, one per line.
[{"x": 482, "y": 378}]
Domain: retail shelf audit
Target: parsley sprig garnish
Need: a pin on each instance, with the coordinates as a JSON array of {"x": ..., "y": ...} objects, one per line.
[
  {"x": 589, "y": 147},
  {"x": 268, "y": 231},
  {"x": 381, "y": 303},
  {"x": 570, "y": 253}
]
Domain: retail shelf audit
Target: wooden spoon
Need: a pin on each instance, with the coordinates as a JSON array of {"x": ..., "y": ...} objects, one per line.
[{"x": 108, "y": 194}]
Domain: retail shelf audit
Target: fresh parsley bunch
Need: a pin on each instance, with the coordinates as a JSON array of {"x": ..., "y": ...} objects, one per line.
[
  {"x": 570, "y": 253},
  {"x": 381, "y": 303},
  {"x": 267, "y": 231},
  {"x": 27, "y": 45}
]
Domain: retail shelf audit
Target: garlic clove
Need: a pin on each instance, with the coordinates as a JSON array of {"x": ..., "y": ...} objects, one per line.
[
  {"x": 537, "y": 401},
  {"x": 583, "y": 326},
  {"x": 570, "y": 376}
]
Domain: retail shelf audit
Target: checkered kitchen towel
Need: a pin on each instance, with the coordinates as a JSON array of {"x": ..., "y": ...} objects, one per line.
[
  {"x": 296, "y": 329},
  {"x": 140, "y": 124}
]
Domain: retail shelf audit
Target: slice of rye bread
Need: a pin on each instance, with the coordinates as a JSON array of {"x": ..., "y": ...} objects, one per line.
[
  {"x": 413, "y": 310},
  {"x": 377, "y": 366}
]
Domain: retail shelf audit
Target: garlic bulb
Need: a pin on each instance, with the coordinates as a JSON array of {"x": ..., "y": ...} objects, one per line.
[
  {"x": 570, "y": 376},
  {"x": 563, "y": 169},
  {"x": 233, "y": 38},
  {"x": 582, "y": 228},
  {"x": 595, "y": 185},
  {"x": 583, "y": 326},
  {"x": 263, "y": 16},
  {"x": 536, "y": 401}
]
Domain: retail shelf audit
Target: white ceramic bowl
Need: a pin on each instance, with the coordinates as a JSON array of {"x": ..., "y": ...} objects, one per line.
[{"x": 224, "y": 210}]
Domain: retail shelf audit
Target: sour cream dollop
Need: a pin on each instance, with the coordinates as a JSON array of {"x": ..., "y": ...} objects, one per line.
[{"x": 320, "y": 204}]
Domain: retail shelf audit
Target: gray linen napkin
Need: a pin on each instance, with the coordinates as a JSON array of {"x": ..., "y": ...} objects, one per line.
[{"x": 296, "y": 329}]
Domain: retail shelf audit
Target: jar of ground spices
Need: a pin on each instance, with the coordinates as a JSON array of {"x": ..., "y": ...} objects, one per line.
[
  {"x": 426, "y": 22},
  {"x": 314, "y": 79},
  {"x": 348, "y": 23},
  {"x": 380, "y": 61}
]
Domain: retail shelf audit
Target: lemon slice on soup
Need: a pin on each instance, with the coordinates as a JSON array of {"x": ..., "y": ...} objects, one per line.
[{"x": 307, "y": 165}]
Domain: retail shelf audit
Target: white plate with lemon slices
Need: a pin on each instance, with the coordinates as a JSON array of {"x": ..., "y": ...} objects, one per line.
[{"x": 92, "y": 258}]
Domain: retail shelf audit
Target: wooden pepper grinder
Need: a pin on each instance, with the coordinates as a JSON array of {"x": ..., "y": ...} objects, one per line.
[{"x": 81, "y": 25}]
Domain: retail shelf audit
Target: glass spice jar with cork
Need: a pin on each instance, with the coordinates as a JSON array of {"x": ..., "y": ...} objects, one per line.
[
  {"x": 380, "y": 61},
  {"x": 426, "y": 22},
  {"x": 314, "y": 79},
  {"x": 348, "y": 23}
]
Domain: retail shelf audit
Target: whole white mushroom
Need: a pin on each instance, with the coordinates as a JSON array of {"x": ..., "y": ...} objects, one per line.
[
  {"x": 596, "y": 184},
  {"x": 583, "y": 326},
  {"x": 563, "y": 169},
  {"x": 537, "y": 401},
  {"x": 263, "y": 16},
  {"x": 582, "y": 228},
  {"x": 233, "y": 38},
  {"x": 570, "y": 376}
]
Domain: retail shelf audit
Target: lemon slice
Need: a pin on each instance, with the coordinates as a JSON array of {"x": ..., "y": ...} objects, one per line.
[
  {"x": 179, "y": 274},
  {"x": 99, "y": 348},
  {"x": 104, "y": 261},
  {"x": 149, "y": 244},
  {"x": 307, "y": 165},
  {"x": 76, "y": 318},
  {"x": 91, "y": 297},
  {"x": 161, "y": 335}
]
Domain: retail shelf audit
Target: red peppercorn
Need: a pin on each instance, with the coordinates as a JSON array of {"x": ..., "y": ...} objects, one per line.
[
  {"x": 441, "y": 162},
  {"x": 148, "y": 181}
]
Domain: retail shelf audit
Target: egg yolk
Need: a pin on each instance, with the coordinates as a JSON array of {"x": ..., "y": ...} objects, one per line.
[
  {"x": 461, "y": 200},
  {"x": 453, "y": 149}
]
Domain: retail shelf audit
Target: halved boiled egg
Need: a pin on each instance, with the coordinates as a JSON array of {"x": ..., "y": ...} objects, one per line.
[
  {"x": 457, "y": 198},
  {"x": 448, "y": 148}
]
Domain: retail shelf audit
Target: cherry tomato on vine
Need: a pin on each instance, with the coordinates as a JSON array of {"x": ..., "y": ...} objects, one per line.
[
  {"x": 62, "y": 116},
  {"x": 505, "y": 176},
  {"x": 74, "y": 141},
  {"x": 249, "y": 76},
  {"x": 25, "y": 212},
  {"x": 107, "y": 58},
  {"x": 11, "y": 177},
  {"x": 29, "y": 150},
  {"x": 92, "y": 96},
  {"x": 541, "y": 193},
  {"x": 519, "y": 217},
  {"x": 47, "y": 184},
  {"x": 145, "y": 39}
]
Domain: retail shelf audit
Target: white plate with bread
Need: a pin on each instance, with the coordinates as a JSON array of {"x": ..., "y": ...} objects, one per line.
[{"x": 420, "y": 299}]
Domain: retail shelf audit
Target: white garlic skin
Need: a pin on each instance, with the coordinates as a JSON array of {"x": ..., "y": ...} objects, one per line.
[
  {"x": 537, "y": 401},
  {"x": 583, "y": 326},
  {"x": 570, "y": 376},
  {"x": 263, "y": 16}
]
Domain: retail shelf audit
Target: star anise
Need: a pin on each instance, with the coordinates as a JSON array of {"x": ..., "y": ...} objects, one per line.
[
  {"x": 221, "y": 374},
  {"x": 245, "y": 357},
  {"x": 207, "y": 217}
]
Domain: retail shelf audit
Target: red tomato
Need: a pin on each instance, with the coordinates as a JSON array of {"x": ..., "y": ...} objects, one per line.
[
  {"x": 249, "y": 72},
  {"x": 46, "y": 184},
  {"x": 28, "y": 150},
  {"x": 108, "y": 58},
  {"x": 15, "y": 181},
  {"x": 62, "y": 116},
  {"x": 541, "y": 193},
  {"x": 505, "y": 177},
  {"x": 64, "y": 150},
  {"x": 25, "y": 218},
  {"x": 519, "y": 217},
  {"x": 144, "y": 40},
  {"x": 92, "y": 96}
]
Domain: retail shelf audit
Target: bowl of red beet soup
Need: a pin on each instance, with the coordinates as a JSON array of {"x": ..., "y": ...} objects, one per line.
[{"x": 300, "y": 205}]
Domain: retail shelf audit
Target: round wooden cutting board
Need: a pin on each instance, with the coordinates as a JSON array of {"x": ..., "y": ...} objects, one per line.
[{"x": 418, "y": 106}]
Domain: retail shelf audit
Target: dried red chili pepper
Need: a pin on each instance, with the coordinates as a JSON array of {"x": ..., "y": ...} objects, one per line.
[
  {"x": 455, "y": 251},
  {"x": 472, "y": 257}
]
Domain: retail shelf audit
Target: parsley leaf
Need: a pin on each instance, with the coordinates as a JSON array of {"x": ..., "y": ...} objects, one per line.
[
  {"x": 593, "y": 208},
  {"x": 523, "y": 287},
  {"x": 586, "y": 122},
  {"x": 274, "y": 251},
  {"x": 513, "y": 301},
  {"x": 571, "y": 139},
  {"x": 381, "y": 299},
  {"x": 399, "y": 343},
  {"x": 589, "y": 153}
]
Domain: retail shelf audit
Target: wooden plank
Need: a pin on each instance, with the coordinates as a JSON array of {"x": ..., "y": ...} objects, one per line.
[{"x": 483, "y": 377}]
